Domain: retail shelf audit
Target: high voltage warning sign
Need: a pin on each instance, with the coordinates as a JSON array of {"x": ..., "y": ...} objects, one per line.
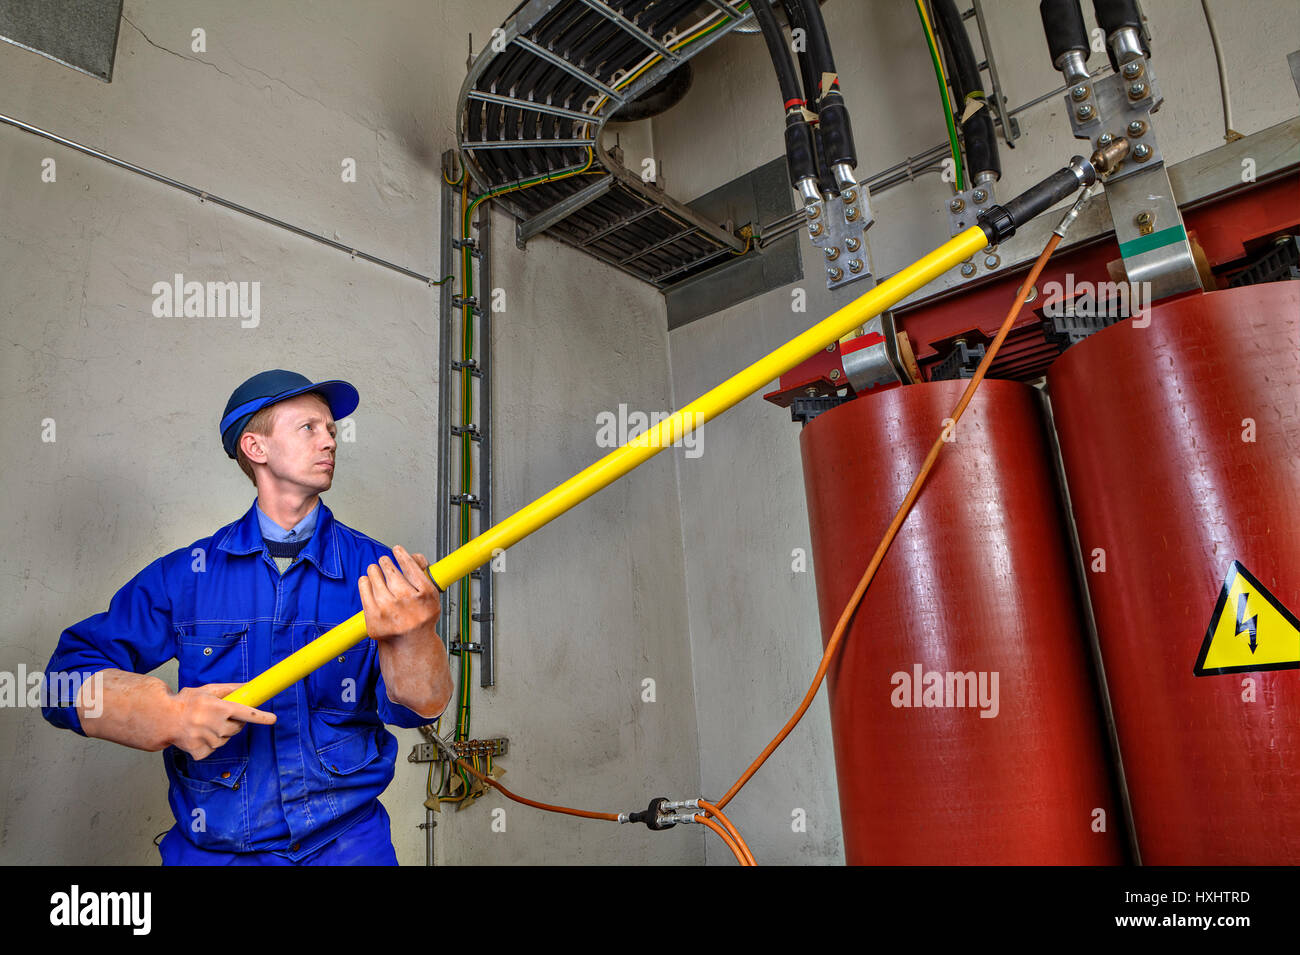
[{"x": 1249, "y": 630}]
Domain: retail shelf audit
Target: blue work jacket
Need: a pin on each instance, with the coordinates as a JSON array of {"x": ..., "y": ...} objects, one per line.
[{"x": 222, "y": 608}]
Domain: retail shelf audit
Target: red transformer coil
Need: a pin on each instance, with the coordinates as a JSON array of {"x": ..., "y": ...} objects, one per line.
[
  {"x": 1181, "y": 445},
  {"x": 965, "y": 717}
]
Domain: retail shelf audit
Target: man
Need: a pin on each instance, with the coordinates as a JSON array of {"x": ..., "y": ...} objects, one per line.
[{"x": 296, "y": 781}]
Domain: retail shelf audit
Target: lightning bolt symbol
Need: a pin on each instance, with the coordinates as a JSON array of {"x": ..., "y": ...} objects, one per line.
[{"x": 1244, "y": 625}]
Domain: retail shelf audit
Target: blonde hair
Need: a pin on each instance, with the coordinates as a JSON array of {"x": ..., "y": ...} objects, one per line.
[{"x": 262, "y": 423}]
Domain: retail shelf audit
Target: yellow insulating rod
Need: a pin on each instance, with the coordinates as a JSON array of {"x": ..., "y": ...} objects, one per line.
[{"x": 620, "y": 461}]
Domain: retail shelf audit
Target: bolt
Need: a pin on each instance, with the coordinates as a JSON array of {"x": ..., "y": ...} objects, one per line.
[
  {"x": 967, "y": 269},
  {"x": 1079, "y": 94},
  {"x": 832, "y": 253},
  {"x": 1132, "y": 70},
  {"x": 1137, "y": 91},
  {"x": 835, "y": 374},
  {"x": 957, "y": 205},
  {"x": 855, "y": 266},
  {"x": 991, "y": 261},
  {"x": 814, "y": 211},
  {"x": 815, "y": 228},
  {"x": 851, "y": 214},
  {"x": 1143, "y": 218},
  {"x": 835, "y": 273},
  {"x": 810, "y": 392},
  {"x": 1031, "y": 294},
  {"x": 979, "y": 195},
  {"x": 1141, "y": 152},
  {"x": 830, "y": 347},
  {"x": 851, "y": 196},
  {"x": 1084, "y": 112},
  {"x": 1105, "y": 139},
  {"x": 852, "y": 243},
  {"x": 1137, "y": 128}
]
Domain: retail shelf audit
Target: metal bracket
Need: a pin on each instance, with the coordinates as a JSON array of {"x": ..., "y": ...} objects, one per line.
[
  {"x": 838, "y": 228},
  {"x": 528, "y": 228},
  {"x": 438, "y": 750},
  {"x": 1148, "y": 225},
  {"x": 963, "y": 210}
]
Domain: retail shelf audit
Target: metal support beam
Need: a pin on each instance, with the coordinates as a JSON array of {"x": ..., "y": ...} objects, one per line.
[
  {"x": 529, "y": 143},
  {"x": 555, "y": 59},
  {"x": 615, "y": 226},
  {"x": 629, "y": 27},
  {"x": 658, "y": 245},
  {"x": 516, "y": 103},
  {"x": 485, "y": 617},
  {"x": 561, "y": 210}
]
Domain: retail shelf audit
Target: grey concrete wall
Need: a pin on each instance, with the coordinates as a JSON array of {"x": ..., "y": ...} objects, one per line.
[
  {"x": 283, "y": 94},
  {"x": 754, "y": 625}
]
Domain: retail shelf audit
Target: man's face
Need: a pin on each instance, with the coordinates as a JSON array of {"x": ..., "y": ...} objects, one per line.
[{"x": 300, "y": 448}]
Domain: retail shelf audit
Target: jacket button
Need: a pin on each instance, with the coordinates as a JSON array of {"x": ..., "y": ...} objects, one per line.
[
  {"x": 207, "y": 651},
  {"x": 295, "y": 847},
  {"x": 341, "y": 660},
  {"x": 225, "y": 775},
  {"x": 333, "y": 767},
  {"x": 236, "y": 786}
]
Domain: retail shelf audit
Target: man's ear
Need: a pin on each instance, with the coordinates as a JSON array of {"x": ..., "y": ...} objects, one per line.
[{"x": 252, "y": 447}]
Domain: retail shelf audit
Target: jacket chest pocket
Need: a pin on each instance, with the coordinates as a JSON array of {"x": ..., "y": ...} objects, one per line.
[
  {"x": 212, "y": 653},
  {"x": 342, "y": 684}
]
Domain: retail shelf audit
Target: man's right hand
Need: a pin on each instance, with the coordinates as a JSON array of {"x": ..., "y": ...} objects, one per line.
[{"x": 204, "y": 722}]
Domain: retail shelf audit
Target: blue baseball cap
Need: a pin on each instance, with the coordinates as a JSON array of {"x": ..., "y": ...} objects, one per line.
[{"x": 269, "y": 387}]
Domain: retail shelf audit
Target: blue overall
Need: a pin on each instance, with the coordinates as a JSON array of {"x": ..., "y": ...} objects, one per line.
[{"x": 223, "y": 609}]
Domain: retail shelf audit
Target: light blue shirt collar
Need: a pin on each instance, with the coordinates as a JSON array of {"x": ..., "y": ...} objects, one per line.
[{"x": 301, "y": 531}]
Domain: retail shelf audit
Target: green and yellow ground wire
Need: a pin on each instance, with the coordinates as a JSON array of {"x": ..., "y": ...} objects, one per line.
[{"x": 944, "y": 95}]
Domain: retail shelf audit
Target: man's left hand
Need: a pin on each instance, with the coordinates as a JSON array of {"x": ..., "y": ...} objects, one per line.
[{"x": 398, "y": 601}]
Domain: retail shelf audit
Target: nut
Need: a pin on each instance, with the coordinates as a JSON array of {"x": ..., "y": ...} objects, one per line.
[{"x": 835, "y": 374}]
